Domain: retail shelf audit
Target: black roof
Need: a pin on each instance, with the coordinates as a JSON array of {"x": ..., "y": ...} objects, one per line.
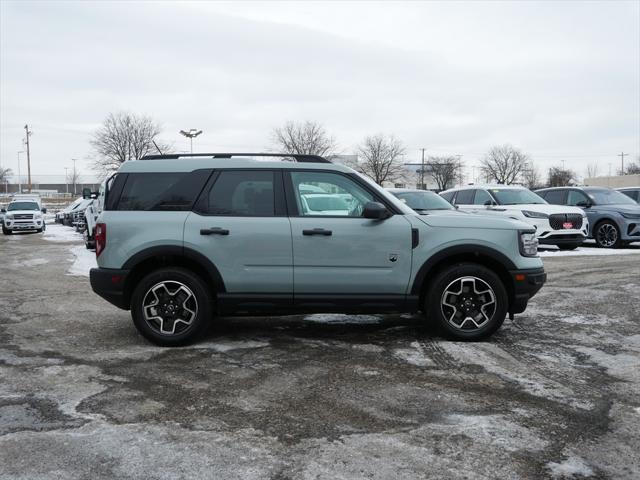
[{"x": 303, "y": 158}]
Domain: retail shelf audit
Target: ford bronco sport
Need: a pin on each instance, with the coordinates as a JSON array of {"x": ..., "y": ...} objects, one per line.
[{"x": 184, "y": 238}]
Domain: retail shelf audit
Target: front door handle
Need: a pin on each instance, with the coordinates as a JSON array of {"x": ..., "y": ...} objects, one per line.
[
  {"x": 214, "y": 231},
  {"x": 318, "y": 231}
]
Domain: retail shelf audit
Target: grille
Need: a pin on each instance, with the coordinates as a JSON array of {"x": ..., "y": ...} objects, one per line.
[
  {"x": 557, "y": 220},
  {"x": 24, "y": 216}
]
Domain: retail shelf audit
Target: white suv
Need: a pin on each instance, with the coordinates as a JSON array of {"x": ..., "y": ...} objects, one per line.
[{"x": 566, "y": 227}]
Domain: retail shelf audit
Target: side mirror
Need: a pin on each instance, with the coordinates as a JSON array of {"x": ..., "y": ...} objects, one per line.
[
  {"x": 489, "y": 203},
  {"x": 44, "y": 210},
  {"x": 375, "y": 211}
]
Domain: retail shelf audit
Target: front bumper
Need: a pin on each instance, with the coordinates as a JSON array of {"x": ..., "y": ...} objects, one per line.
[
  {"x": 630, "y": 229},
  {"x": 525, "y": 283},
  {"x": 575, "y": 238},
  {"x": 35, "y": 224},
  {"x": 109, "y": 284}
]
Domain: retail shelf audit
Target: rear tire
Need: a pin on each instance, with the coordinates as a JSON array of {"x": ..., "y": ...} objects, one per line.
[
  {"x": 467, "y": 301},
  {"x": 171, "y": 306}
]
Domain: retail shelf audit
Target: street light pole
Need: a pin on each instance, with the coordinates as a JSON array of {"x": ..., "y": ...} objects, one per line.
[
  {"x": 74, "y": 175},
  {"x": 66, "y": 180},
  {"x": 191, "y": 134},
  {"x": 19, "y": 177}
]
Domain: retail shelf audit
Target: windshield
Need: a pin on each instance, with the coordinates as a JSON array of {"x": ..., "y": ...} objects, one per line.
[
  {"x": 23, "y": 206},
  {"x": 610, "y": 197},
  {"x": 424, "y": 200},
  {"x": 515, "y": 196}
]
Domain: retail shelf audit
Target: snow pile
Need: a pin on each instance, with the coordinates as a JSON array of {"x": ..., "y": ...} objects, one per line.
[
  {"x": 59, "y": 233},
  {"x": 83, "y": 261},
  {"x": 342, "y": 319}
]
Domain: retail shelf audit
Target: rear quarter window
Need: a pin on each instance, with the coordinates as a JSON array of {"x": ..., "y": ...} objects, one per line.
[{"x": 166, "y": 191}]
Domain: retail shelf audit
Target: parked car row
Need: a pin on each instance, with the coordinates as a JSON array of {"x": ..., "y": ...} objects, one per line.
[
  {"x": 562, "y": 216},
  {"x": 82, "y": 214}
]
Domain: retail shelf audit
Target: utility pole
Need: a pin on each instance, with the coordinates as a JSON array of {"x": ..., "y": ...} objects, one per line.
[
  {"x": 622, "y": 155},
  {"x": 422, "y": 171},
  {"x": 66, "y": 180},
  {"x": 28, "y": 134}
]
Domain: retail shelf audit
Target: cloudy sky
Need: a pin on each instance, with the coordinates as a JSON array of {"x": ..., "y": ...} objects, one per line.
[{"x": 560, "y": 80}]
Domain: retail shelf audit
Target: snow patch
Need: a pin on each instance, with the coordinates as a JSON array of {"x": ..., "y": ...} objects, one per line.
[
  {"x": 59, "y": 233},
  {"x": 571, "y": 467},
  {"x": 414, "y": 356},
  {"x": 342, "y": 319},
  {"x": 84, "y": 260},
  {"x": 223, "y": 347},
  {"x": 584, "y": 251},
  {"x": 34, "y": 262}
]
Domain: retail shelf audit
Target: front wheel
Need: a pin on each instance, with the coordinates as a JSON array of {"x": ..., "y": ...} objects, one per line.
[
  {"x": 468, "y": 301},
  {"x": 607, "y": 235},
  {"x": 171, "y": 306},
  {"x": 6, "y": 231}
]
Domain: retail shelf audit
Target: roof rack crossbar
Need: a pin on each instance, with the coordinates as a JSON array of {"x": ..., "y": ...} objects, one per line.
[{"x": 302, "y": 158}]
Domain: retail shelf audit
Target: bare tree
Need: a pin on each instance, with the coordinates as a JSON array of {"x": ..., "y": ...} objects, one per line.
[
  {"x": 306, "y": 138},
  {"x": 122, "y": 137},
  {"x": 531, "y": 177},
  {"x": 445, "y": 171},
  {"x": 592, "y": 170},
  {"x": 503, "y": 164},
  {"x": 560, "y": 177},
  {"x": 632, "y": 168},
  {"x": 381, "y": 158},
  {"x": 5, "y": 173}
]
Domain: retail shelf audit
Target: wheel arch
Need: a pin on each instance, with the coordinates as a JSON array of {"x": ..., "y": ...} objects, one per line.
[
  {"x": 154, "y": 258},
  {"x": 488, "y": 257}
]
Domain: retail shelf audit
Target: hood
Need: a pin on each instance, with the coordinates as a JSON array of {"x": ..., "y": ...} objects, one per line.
[
  {"x": 624, "y": 208},
  {"x": 543, "y": 208},
  {"x": 22, "y": 212},
  {"x": 454, "y": 219}
]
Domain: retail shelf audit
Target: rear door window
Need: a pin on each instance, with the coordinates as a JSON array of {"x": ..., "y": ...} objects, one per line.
[
  {"x": 555, "y": 197},
  {"x": 465, "y": 197},
  {"x": 242, "y": 193}
]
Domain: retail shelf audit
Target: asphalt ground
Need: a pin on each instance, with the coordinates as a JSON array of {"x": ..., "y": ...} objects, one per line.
[{"x": 554, "y": 394}]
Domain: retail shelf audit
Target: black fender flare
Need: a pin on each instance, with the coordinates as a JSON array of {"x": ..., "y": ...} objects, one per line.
[
  {"x": 178, "y": 251},
  {"x": 475, "y": 250}
]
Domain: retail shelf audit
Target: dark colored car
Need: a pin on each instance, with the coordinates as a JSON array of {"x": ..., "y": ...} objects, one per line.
[
  {"x": 614, "y": 218},
  {"x": 632, "y": 192}
]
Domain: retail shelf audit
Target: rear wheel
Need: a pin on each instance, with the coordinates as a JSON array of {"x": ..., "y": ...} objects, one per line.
[
  {"x": 171, "y": 306},
  {"x": 607, "y": 235},
  {"x": 468, "y": 301}
]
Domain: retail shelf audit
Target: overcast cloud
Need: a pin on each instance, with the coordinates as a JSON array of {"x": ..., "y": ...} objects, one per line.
[{"x": 560, "y": 80}]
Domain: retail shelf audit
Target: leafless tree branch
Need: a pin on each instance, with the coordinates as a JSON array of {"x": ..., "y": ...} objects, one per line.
[
  {"x": 380, "y": 156},
  {"x": 503, "y": 164},
  {"x": 306, "y": 138}
]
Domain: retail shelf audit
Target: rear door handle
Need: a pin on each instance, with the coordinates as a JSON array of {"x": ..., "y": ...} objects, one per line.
[
  {"x": 318, "y": 231},
  {"x": 214, "y": 231}
]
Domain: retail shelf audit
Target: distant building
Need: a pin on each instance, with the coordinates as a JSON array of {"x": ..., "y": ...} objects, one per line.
[
  {"x": 617, "y": 181},
  {"x": 50, "y": 184}
]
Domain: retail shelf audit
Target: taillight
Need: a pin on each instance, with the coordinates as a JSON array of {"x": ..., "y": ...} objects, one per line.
[{"x": 101, "y": 238}]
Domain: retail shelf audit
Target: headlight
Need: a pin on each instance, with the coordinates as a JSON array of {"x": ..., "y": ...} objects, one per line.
[
  {"x": 530, "y": 214},
  {"x": 9, "y": 216},
  {"x": 528, "y": 243},
  {"x": 631, "y": 215},
  {"x": 38, "y": 215}
]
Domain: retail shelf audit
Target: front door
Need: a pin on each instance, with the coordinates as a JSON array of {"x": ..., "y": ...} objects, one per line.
[{"x": 335, "y": 250}]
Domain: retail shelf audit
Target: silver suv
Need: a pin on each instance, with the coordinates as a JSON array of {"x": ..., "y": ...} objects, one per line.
[{"x": 184, "y": 238}]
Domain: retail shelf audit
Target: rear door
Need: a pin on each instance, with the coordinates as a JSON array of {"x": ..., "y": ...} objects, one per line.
[
  {"x": 240, "y": 224},
  {"x": 337, "y": 252}
]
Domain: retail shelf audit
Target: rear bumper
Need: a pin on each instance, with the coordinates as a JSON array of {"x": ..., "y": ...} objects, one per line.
[
  {"x": 526, "y": 283},
  {"x": 109, "y": 284}
]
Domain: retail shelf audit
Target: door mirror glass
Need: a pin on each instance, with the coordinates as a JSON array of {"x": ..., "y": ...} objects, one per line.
[
  {"x": 375, "y": 210},
  {"x": 44, "y": 210}
]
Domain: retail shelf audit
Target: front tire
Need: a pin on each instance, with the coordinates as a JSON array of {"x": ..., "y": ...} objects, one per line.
[
  {"x": 468, "y": 301},
  {"x": 171, "y": 306},
  {"x": 6, "y": 231},
  {"x": 607, "y": 235}
]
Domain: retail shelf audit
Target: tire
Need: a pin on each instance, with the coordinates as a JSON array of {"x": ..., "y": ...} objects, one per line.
[
  {"x": 607, "y": 235},
  {"x": 6, "y": 231},
  {"x": 442, "y": 306},
  {"x": 39, "y": 230},
  {"x": 569, "y": 246},
  {"x": 184, "y": 296}
]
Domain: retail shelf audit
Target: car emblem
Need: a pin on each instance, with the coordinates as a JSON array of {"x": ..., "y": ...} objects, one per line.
[
  {"x": 567, "y": 225},
  {"x": 393, "y": 257}
]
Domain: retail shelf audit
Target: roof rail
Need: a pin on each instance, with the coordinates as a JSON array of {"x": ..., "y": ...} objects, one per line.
[{"x": 303, "y": 158}]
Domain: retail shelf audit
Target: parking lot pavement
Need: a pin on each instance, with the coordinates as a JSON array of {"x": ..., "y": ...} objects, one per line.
[{"x": 556, "y": 393}]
